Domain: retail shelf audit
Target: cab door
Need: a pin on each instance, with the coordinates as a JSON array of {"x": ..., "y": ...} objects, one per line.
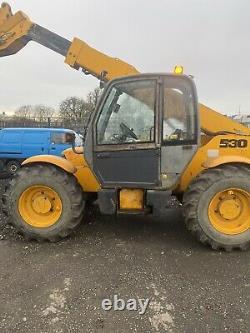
[
  {"x": 126, "y": 145},
  {"x": 180, "y": 132},
  {"x": 145, "y": 132}
]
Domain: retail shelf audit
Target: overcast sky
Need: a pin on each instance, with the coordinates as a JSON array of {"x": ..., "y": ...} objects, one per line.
[{"x": 210, "y": 38}]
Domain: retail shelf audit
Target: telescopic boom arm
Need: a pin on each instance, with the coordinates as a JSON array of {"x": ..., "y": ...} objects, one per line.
[{"x": 17, "y": 30}]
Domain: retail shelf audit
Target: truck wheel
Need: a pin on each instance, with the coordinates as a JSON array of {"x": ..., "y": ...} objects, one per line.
[
  {"x": 217, "y": 207},
  {"x": 44, "y": 202},
  {"x": 12, "y": 167}
]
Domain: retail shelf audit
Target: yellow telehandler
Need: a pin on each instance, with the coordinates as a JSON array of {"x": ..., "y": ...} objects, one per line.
[{"x": 147, "y": 140}]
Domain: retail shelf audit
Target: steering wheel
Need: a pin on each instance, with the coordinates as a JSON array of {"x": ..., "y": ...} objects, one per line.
[
  {"x": 179, "y": 133},
  {"x": 127, "y": 131}
]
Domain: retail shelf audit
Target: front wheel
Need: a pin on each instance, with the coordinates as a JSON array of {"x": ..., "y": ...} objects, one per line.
[
  {"x": 44, "y": 202},
  {"x": 217, "y": 207}
]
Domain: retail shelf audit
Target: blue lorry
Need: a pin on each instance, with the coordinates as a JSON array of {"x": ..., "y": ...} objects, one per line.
[{"x": 17, "y": 144}]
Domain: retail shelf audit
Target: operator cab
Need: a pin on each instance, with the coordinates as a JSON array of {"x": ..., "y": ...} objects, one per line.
[{"x": 144, "y": 131}]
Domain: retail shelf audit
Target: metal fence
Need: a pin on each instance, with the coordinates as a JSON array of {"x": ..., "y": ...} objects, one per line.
[{"x": 78, "y": 125}]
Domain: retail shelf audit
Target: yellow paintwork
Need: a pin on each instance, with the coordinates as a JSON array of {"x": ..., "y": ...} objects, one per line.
[
  {"x": 202, "y": 160},
  {"x": 214, "y": 122},
  {"x": 13, "y": 30},
  {"x": 5, "y": 13},
  {"x": 50, "y": 159},
  {"x": 81, "y": 55},
  {"x": 72, "y": 163},
  {"x": 40, "y": 206},
  {"x": 229, "y": 211},
  {"x": 84, "y": 174},
  {"x": 131, "y": 199},
  {"x": 214, "y": 162}
]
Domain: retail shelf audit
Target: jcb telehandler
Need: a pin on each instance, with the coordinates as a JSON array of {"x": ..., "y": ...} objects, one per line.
[{"x": 143, "y": 144}]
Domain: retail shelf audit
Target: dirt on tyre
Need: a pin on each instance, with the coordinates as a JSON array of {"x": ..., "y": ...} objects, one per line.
[
  {"x": 44, "y": 202},
  {"x": 217, "y": 207}
]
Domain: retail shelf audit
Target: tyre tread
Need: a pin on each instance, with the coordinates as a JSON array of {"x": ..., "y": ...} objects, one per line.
[
  {"x": 193, "y": 193},
  {"x": 69, "y": 181}
]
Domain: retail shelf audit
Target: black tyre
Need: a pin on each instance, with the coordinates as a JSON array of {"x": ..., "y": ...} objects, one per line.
[
  {"x": 12, "y": 167},
  {"x": 217, "y": 207},
  {"x": 44, "y": 202}
]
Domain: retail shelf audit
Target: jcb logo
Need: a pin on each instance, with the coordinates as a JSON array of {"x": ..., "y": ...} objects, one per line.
[{"x": 232, "y": 143}]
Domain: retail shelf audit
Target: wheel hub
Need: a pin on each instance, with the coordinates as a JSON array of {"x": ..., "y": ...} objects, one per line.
[
  {"x": 40, "y": 206},
  {"x": 229, "y": 211},
  {"x": 13, "y": 168},
  {"x": 230, "y": 208}
]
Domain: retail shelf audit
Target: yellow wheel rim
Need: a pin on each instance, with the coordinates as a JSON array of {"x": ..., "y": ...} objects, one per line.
[
  {"x": 229, "y": 211},
  {"x": 40, "y": 206}
]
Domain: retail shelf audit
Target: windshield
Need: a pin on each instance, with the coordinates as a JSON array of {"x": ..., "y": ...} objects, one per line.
[{"x": 128, "y": 114}]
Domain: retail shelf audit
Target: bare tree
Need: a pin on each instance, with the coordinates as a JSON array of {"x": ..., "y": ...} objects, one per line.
[
  {"x": 42, "y": 112},
  {"x": 2, "y": 115},
  {"x": 73, "y": 113},
  {"x": 24, "y": 111},
  {"x": 92, "y": 99},
  {"x": 73, "y": 109}
]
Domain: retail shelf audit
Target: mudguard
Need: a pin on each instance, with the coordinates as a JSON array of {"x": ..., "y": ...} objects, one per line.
[{"x": 50, "y": 159}]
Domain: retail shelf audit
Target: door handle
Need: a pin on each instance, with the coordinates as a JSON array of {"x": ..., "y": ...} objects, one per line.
[
  {"x": 53, "y": 148},
  {"x": 103, "y": 155}
]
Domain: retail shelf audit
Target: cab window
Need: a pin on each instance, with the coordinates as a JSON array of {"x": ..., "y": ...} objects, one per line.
[
  {"x": 58, "y": 138},
  {"x": 179, "y": 116},
  {"x": 128, "y": 114}
]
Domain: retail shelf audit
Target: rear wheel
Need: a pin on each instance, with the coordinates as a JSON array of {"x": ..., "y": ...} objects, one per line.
[
  {"x": 44, "y": 202},
  {"x": 217, "y": 207}
]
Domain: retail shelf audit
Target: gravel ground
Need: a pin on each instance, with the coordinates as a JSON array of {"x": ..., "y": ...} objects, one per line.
[{"x": 59, "y": 287}]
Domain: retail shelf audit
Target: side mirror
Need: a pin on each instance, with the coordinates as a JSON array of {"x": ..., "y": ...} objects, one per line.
[{"x": 70, "y": 138}]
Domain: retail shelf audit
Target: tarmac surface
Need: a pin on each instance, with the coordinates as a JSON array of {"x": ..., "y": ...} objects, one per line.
[{"x": 60, "y": 287}]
